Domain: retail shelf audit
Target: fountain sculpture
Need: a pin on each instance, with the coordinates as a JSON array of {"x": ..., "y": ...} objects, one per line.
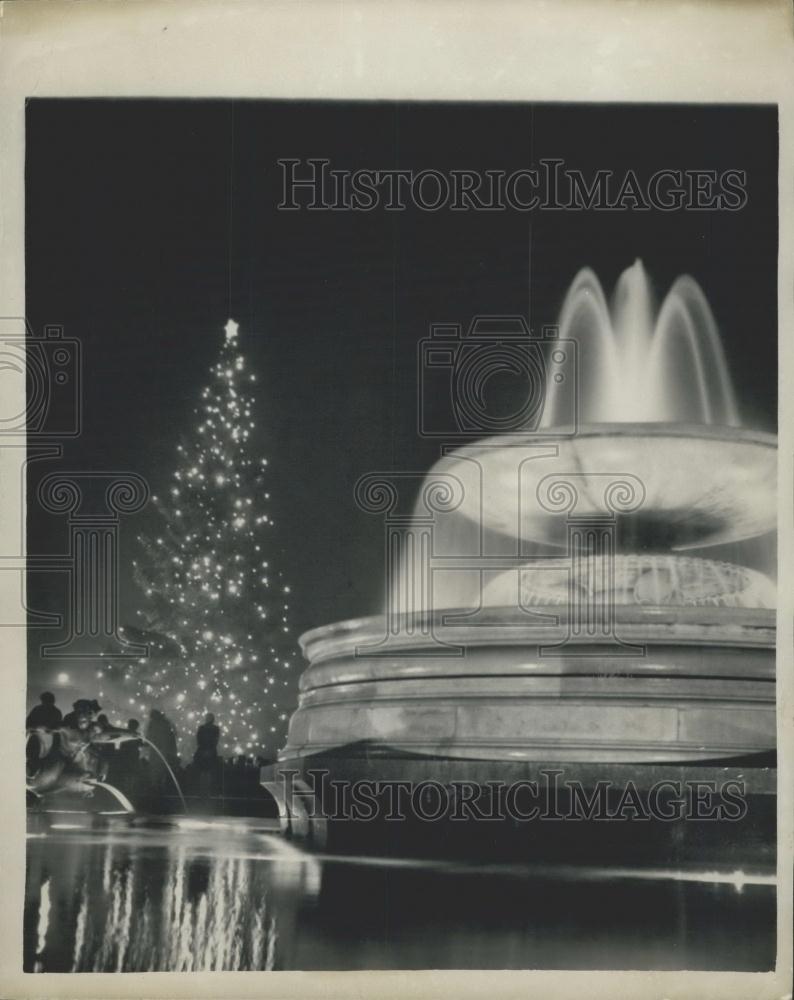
[{"x": 596, "y": 589}]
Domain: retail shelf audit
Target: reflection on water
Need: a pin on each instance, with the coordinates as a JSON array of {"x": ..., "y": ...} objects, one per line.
[{"x": 233, "y": 895}]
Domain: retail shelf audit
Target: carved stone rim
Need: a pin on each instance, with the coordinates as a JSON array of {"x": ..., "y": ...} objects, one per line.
[
  {"x": 646, "y": 624},
  {"x": 711, "y": 431}
]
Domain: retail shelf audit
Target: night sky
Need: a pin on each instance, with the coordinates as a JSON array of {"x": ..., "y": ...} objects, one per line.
[{"x": 149, "y": 223}]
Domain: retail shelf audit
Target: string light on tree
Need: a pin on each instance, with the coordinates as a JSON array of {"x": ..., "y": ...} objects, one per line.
[{"x": 203, "y": 581}]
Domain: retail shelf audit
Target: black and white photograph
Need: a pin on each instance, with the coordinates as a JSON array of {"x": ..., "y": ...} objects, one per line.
[{"x": 401, "y": 552}]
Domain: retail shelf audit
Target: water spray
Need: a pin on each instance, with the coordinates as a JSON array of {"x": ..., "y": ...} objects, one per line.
[{"x": 124, "y": 737}]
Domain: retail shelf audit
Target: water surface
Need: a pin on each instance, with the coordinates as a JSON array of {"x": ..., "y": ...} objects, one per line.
[{"x": 234, "y": 895}]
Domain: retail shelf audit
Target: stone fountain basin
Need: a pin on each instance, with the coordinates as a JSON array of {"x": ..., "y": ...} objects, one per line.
[
  {"x": 700, "y": 485},
  {"x": 683, "y": 684}
]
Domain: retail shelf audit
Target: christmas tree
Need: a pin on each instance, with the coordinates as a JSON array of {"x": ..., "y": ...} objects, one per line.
[{"x": 209, "y": 583}]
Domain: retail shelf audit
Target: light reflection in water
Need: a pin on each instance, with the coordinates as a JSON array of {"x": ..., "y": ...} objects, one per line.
[
  {"x": 44, "y": 916},
  {"x": 235, "y": 896},
  {"x": 152, "y": 900}
]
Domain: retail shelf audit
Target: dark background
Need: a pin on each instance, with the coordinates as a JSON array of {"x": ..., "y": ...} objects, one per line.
[{"x": 149, "y": 223}]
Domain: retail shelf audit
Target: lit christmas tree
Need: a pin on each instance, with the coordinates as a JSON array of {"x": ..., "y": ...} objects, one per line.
[{"x": 209, "y": 583}]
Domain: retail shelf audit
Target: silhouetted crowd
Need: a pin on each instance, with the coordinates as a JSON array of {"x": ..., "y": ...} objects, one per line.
[{"x": 75, "y": 751}]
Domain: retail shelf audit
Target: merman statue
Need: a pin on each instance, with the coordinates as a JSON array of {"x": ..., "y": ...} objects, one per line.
[{"x": 70, "y": 757}]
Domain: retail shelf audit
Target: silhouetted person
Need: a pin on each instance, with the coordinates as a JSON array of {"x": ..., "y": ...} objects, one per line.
[
  {"x": 128, "y": 761},
  {"x": 45, "y": 715},
  {"x": 207, "y": 737},
  {"x": 44, "y": 718},
  {"x": 106, "y": 753},
  {"x": 130, "y": 750},
  {"x": 160, "y": 731},
  {"x": 82, "y": 709},
  {"x": 206, "y": 760}
]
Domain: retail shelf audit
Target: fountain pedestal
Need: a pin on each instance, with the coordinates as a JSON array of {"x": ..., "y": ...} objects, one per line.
[
  {"x": 699, "y": 686},
  {"x": 696, "y": 708},
  {"x": 690, "y": 677},
  {"x": 616, "y": 668}
]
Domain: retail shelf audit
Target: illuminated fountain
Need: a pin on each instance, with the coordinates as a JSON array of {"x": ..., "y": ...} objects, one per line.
[{"x": 597, "y": 589}]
